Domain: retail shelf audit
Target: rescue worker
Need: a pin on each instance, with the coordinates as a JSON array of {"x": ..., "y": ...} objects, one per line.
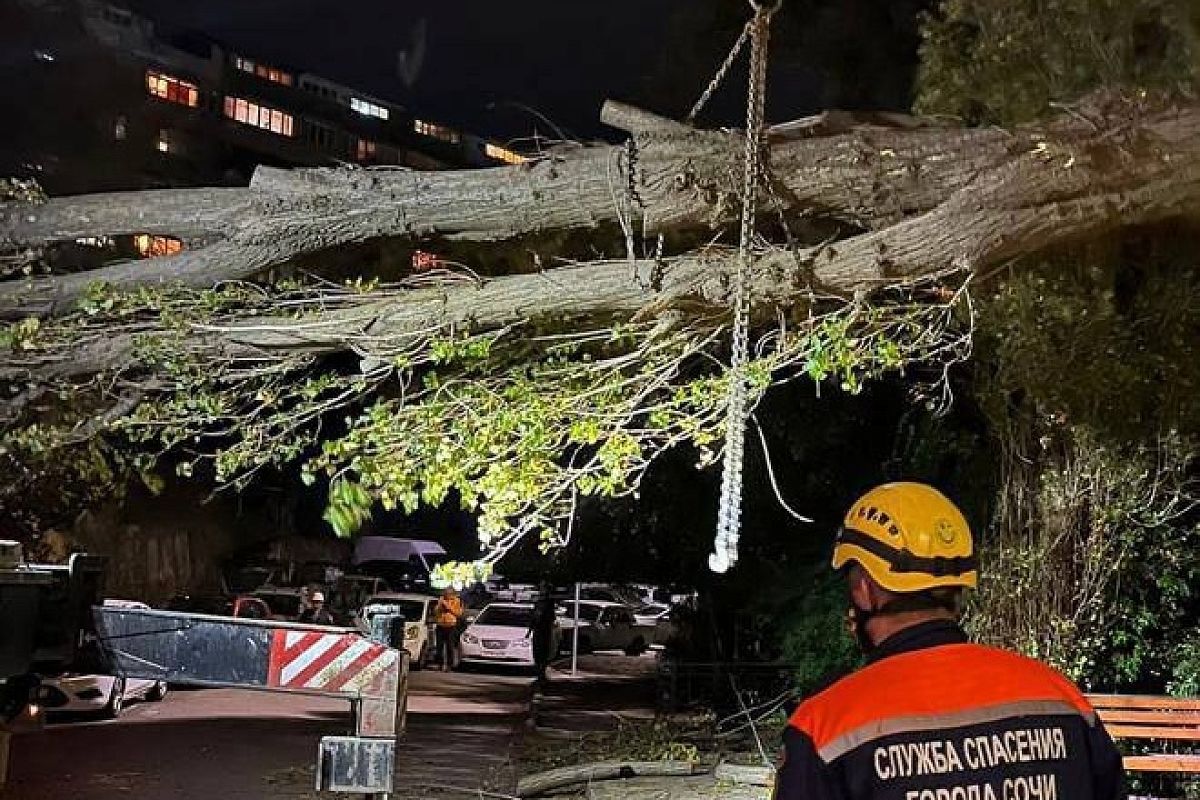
[
  {"x": 447, "y": 614},
  {"x": 932, "y": 716}
]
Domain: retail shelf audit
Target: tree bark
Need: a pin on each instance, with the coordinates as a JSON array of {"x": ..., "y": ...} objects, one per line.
[
  {"x": 878, "y": 173},
  {"x": 1045, "y": 197},
  {"x": 542, "y": 782}
]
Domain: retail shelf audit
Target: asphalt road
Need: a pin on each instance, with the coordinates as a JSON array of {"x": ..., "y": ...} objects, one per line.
[{"x": 229, "y": 744}]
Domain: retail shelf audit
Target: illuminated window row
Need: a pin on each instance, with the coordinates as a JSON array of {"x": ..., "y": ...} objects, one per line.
[
  {"x": 149, "y": 246},
  {"x": 249, "y": 113},
  {"x": 504, "y": 154},
  {"x": 438, "y": 132},
  {"x": 368, "y": 109},
  {"x": 172, "y": 89},
  {"x": 263, "y": 71}
]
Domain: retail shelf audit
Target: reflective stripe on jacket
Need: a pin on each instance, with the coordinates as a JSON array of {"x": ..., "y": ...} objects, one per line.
[{"x": 936, "y": 718}]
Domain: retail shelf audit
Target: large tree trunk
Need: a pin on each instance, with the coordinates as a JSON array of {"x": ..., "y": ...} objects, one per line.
[
  {"x": 1042, "y": 195},
  {"x": 931, "y": 197}
]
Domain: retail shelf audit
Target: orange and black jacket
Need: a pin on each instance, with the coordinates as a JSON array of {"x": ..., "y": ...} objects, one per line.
[{"x": 933, "y": 717}]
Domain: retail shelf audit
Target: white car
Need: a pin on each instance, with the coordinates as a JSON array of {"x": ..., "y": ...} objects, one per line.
[
  {"x": 650, "y": 614},
  {"x": 501, "y": 635},
  {"x": 603, "y": 626},
  {"x": 106, "y": 694},
  {"x": 417, "y": 609}
]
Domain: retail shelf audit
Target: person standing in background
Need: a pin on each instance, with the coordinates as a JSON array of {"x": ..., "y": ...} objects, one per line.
[{"x": 447, "y": 614}]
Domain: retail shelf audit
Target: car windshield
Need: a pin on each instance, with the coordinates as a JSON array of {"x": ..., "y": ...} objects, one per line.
[
  {"x": 505, "y": 616},
  {"x": 586, "y": 612},
  {"x": 281, "y": 604},
  {"x": 413, "y": 610},
  {"x": 247, "y": 579}
]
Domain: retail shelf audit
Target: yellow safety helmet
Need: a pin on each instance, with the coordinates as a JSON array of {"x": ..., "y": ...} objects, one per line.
[{"x": 908, "y": 537}]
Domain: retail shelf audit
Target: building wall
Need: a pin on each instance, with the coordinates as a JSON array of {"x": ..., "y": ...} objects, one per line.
[{"x": 173, "y": 543}]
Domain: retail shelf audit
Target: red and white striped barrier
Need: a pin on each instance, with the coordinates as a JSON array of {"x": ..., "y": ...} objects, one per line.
[{"x": 326, "y": 662}]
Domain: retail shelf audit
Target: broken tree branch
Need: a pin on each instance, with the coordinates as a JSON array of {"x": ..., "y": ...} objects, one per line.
[{"x": 872, "y": 176}]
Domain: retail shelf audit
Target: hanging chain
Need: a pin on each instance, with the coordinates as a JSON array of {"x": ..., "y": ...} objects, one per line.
[
  {"x": 729, "y": 513},
  {"x": 715, "y": 83}
]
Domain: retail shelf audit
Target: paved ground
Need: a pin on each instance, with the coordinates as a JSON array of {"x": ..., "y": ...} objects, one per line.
[{"x": 226, "y": 744}]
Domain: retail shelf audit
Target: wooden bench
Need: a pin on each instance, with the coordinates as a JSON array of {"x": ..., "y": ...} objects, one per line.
[{"x": 1148, "y": 717}]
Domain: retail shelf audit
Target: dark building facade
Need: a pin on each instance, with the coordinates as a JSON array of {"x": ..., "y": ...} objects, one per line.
[{"x": 161, "y": 110}]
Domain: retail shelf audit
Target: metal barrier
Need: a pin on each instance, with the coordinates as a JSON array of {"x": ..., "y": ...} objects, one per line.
[{"x": 201, "y": 650}]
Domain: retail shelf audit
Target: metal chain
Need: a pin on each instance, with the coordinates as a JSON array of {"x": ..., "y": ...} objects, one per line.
[
  {"x": 729, "y": 513},
  {"x": 715, "y": 83}
]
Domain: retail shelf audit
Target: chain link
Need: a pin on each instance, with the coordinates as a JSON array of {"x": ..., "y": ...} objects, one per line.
[
  {"x": 722, "y": 71},
  {"x": 729, "y": 513}
]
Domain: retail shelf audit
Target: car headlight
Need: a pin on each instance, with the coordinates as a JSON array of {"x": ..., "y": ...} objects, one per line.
[{"x": 469, "y": 639}]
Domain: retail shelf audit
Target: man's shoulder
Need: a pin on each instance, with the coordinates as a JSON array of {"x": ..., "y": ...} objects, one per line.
[{"x": 935, "y": 680}]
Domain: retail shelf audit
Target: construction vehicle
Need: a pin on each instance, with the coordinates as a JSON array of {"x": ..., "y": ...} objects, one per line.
[{"x": 52, "y": 620}]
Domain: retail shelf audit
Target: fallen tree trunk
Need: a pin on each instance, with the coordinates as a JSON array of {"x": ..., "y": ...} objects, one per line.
[
  {"x": 542, "y": 782},
  {"x": 1043, "y": 198},
  {"x": 842, "y": 168}
]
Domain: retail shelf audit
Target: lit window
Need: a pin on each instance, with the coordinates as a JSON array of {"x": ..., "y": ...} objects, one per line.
[
  {"x": 168, "y": 142},
  {"x": 95, "y": 241},
  {"x": 368, "y": 109},
  {"x": 263, "y": 71},
  {"x": 366, "y": 150},
  {"x": 438, "y": 132},
  {"x": 172, "y": 89},
  {"x": 504, "y": 154},
  {"x": 423, "y": 260},
  {"x": 249, "y": 113},
  {"x": 150, "y": 246}
]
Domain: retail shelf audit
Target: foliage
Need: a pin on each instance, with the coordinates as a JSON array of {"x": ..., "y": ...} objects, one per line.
[
  {"x": 1185, "y": 680},
  {"x": 514, "y": 424},
  {"x": 815, "y": 635},
  {"x": 1005, "y": 61},
  {"x": 1099, "y": 579},
  {"x": 1089, "y": 392},
  {"x": 1096, "y": 339},
  {"x": 1088, "y": 364},
  {"x": 666, "y": 738},
  {"x": 16, "y": 190}
]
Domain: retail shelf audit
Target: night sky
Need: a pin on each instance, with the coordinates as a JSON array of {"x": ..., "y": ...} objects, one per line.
[
  {"x": 559, "y": 56},
  {"x": 564, "y": 57}
]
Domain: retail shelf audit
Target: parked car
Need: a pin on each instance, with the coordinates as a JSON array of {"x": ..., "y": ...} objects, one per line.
[
  {"x": 406, "y": 564},
  {"x": 609, "y": 593},
  {"x": 518, "y": 593},
  {"x": 102, "y": 694},
  {"x": 244, "y": 579},
  {"x": 501, "y": 635},
  {"x": 657, "y": 620},
  {"x": 650, "y": 614},
  {"x": 245, "y": 606},
  {"x": 418, "y": 622},
  {"x": 349, "y": 593},
  {"x": 603, "y": 626},
  {"x": 283, "y": 602}
]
